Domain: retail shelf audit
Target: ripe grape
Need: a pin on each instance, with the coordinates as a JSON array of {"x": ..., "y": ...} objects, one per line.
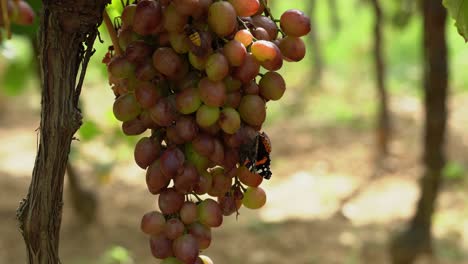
[
  {"x": 174, "y": 21},
  {"x": 244, "y": 36},
  {"x": 267, "y": 24},
  {"x": 272, "y": 86},
  {"x": 172, "y": 161},
  {"x": 153, "y": 223},
  {"x": 249, "y": 178},
  {"x": 252, "y": 110},
  {"x": 235, "y": 52},
  {"x": 295, "y": 23},
  {"x": 292, "y": 48},
  {"x": 146, "y": 152},
  {"x": 263, "y": 50},
  {"x": 161, "y": 246},
  {"x": 188, "y": 212},
  {"x": 229, "y": 120},
  {"x": 186, "y": 180},
  {"x": 212, "y": 93},
  {"x": 245, "y": 8},
  {"x": 217, "y": 67},
  {"x": 186, "y": 248},
  {"x": 170, "y": 201},
  {"x": 167, "y": 61},
  {"x": 156, "y": 181},
  {"x": 209, "y": 213},
  {"x": 126, "y": 107},
  {"x": 248, "y": 70},
  {"x": 222, "y": 18},
  {"x": 148, "y": 13},
  {"x": 174, "y": 228},
  {"x": 202, "y": 234},
  {"x": 188, "y": 101},
  {"x": 147, "y": 94}
]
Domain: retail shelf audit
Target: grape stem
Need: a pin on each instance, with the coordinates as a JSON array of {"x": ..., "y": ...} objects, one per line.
[
  {"x": 196, "y": 196},
  {"x": 112, "y": 33},
  {"x": 6, "y": 18}
]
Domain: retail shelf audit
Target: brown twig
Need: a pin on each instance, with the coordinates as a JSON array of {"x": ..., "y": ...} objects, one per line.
[{"x": 113, "y": 35}]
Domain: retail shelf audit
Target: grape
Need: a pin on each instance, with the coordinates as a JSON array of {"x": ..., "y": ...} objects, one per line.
[
  {"x": 133, "y": 127},
  {"x": 171, "y": 260},
  {"x": 188, "y": 213},
  {"x": 254, "y": 198},
  {"x": 200, "y": 162},
  {"x": 276, "y": 63},
  {"x": 198, "y": 62},
  {"x": 248, "y": 70},
  {"x": 218, "y": 152},
  {"x": 248, "y": 178},
  {"x": 173, "y": 21},
  {"x": 145, "y": 71},
  {"x": 179, "y": 42},
  {"x": 201, "y": 233},
  {"x": 161, "y": 246},
  {"x": 263, "y": 50},
  {"x": 251, "y": 88},
  {"x": 292, "y": 48},
  {"x": 153, "y": 223},
  {"x": 170, "y": 201},
  {"x": 185, "y": 181},
  {"x": 172, "y": 161},
  {"x": 146, "y": 94},
  {"x": 204, "y": 144},
  {"x": 186, "y": 248},
  {"x": 146, "y": 152},
  {"x": 231, "y": 158},
  {"x": 187, "y": 7},
  {"x": 207, "y": 115},
  {"x": 229, "y": 120},
  {"x": 174, "y": 228},
  {"x": 295, "y": 23},
  {"x": 235, "y": 52},
  {"x": 216, "y": 67},
  {"x": 145, "y": 119},
  {"x": 188, "y": 101},
  {"x": 221, "y": 183},
  {"x": 222, "y": 18},
  {"x": 232, "y": 85},
  {"x": 272, "y": 86},
  {"x": 252, "y": 110},
  {"x": 148, "y": 14},
  {"x": 267, "y": 24},
  {"x": 229, "y": 205},
  {"x": 212, "y": 93},
  {"x": 202, "y": 11},
  {"x": 126, "y": 107},
  {"x": 127, "y": 16},
  {"x": 261, "y": 34},
  {"x": 186, "y": 128},
  {"x": 120, "y": 67},
  {"x": 155, "y": 180},
  {"x": 233, "y": 99},
  {"x": 138, "y": 51},
  {"x": 245, "y": 8},
  {"x": 204, "y": 185},
  {"x": 167, "y": 61},
  {"x": 209, "y": 213},
  {"x": 127, "y": 36},
  {"x": 244, "y": 36},
  {"x": 163, "y": 112},
  {"x": 172, "y": 137}
]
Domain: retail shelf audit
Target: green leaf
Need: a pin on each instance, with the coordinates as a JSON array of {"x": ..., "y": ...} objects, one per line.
[
  {"x": 458, "y": 9},
  {"x": 89, "y": 130}
]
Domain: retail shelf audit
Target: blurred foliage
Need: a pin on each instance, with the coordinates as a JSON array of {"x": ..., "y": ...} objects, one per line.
[
  {"x": 116, "y": 255},
  {"x": 454, "y": 171},
  {"x": 458, "y": 10}
]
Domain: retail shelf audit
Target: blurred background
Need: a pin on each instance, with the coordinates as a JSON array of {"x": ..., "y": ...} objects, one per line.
[{"x": 337, "y": 194}]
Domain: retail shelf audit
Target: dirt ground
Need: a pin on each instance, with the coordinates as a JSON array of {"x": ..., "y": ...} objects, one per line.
[{"x": 314, "y": 168}]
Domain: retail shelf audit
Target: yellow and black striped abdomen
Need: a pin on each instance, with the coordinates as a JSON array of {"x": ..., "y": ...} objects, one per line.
[{"x": 195, "y": 39}]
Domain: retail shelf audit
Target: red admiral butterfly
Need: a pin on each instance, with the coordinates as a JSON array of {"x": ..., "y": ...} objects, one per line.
[{"x": 256, "y": 157}]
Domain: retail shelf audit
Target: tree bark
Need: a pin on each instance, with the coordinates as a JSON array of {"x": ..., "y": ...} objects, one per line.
[
  {"x": 418, "y": 236},
  {"x": 68, "y": 29},
  {"x": 383, "y": 117}
]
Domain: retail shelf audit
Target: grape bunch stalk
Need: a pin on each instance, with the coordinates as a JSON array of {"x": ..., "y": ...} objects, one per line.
[
  {"x": 17, "y": 12},
  {"x": 197, "y": 75}
]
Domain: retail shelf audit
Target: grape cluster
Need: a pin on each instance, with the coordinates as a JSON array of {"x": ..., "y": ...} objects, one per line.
[{"x": 190, "y": 72}]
